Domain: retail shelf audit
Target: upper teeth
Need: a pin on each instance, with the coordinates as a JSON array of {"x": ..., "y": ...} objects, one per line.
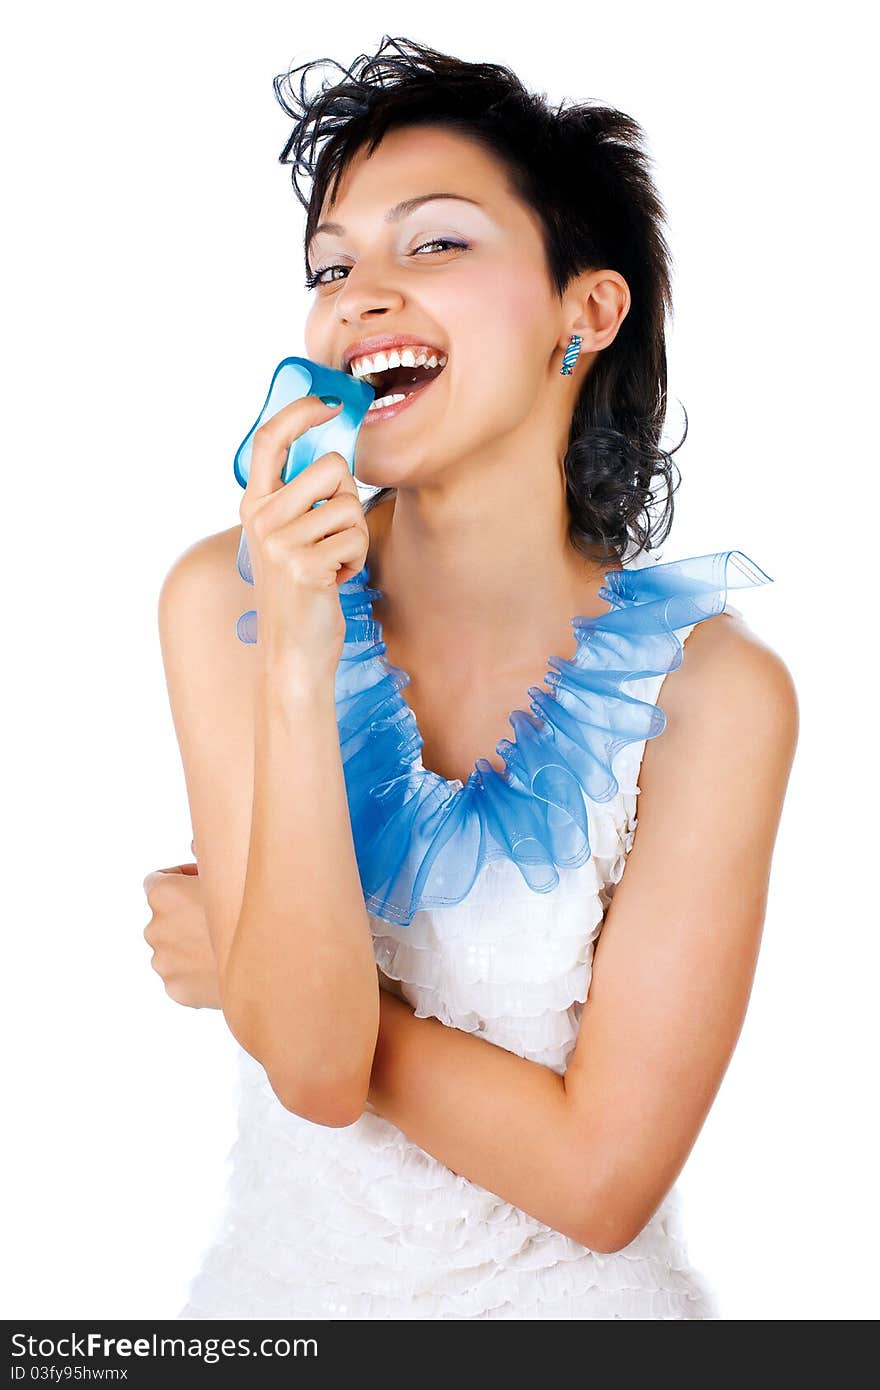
[{"x": 404, "y": 357}]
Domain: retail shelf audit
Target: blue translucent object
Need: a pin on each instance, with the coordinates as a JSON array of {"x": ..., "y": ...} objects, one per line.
[
  {"x": 296, "y": 377},
  {"x": 420, "y": 839},
  {"x": 293, "y": 378}
]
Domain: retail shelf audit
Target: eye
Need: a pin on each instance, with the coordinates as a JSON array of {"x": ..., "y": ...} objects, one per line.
[
  {"x": 440, "y": 241},
  {"x": 315, "y": 279}
]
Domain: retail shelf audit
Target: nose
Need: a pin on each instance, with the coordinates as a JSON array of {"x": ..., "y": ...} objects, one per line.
[{"x": 366, "y": 293}]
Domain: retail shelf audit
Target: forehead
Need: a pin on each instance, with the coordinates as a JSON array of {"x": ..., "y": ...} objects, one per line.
[{"x": 417, "y": 159}]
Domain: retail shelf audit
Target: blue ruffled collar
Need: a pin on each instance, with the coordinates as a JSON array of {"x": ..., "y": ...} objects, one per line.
[{"x": 421, "y": 840}]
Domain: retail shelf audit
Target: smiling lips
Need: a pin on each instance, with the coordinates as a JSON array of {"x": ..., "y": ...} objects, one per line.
[
  {"x": 398, "y": 371},
  {"x": 393, "y": 402},
  {"x": 396, "y": 374}
]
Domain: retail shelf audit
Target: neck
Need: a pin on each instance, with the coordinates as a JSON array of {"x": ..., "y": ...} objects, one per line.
[{"x": 479, "y": 570}]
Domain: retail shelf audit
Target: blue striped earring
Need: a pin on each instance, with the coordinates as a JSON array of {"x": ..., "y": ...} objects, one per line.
[{"x": 572, "y": 352}]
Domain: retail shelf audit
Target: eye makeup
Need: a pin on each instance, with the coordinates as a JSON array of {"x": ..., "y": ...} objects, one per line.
[{"x": 313, "y": 280}]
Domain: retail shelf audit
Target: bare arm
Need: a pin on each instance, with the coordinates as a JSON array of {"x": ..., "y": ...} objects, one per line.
[
  {"x": 302, "y": 957},
  {"x": 593, "y": 1153},
  {"x": 266, "y": 795}
]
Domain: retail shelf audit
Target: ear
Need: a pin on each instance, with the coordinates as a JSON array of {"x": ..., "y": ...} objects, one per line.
[{"x": 596, "y": 302}]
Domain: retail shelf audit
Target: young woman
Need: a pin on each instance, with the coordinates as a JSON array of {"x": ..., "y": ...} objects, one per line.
[{"x": 481, "y": 1020}]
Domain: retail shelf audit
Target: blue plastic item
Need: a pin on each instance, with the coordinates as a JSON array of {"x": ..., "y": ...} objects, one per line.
[
  {"x": 296, "y": 377},
  {"x": 293, "y": 378}
]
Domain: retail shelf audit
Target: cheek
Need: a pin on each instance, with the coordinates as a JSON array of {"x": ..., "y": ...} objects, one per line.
[
  {"x": 517, "y": 289},
  {"x": 310, "y": 336},
  {"x": 501, "y": 325}
]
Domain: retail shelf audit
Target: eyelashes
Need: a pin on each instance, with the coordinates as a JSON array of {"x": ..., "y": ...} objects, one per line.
[{"x": 312, "y": 281}]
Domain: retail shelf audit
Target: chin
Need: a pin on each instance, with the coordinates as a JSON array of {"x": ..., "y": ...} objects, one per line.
[
  {"x": 367, "y": 476},
  {"x": 382, "y": 473}
]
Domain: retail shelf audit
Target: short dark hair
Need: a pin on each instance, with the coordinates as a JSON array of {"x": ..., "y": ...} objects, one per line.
[{"x": 584, "y": 170}]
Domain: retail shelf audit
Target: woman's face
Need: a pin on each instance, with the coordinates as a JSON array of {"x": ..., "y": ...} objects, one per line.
[{"x": 487, "y": 301}]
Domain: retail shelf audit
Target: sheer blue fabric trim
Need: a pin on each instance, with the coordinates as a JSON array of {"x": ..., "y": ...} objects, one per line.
[{"x": 421, "y": 840}]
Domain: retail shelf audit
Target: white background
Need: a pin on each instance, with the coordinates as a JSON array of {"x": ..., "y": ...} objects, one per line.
[{"x": 152, "y": 281}]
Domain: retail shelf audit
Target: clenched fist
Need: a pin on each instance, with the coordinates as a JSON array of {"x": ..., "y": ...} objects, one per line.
[
  {"x": 178, "y": 933},
  {"x": 305, "y": 538}
]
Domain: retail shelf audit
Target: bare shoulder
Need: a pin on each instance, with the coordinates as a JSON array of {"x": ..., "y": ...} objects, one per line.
[
  {"x": 730, "y": 704},
  {"x": 200, "y": 601},
  {"x": 206, "y": 570},
  {"x": 726, "y": 667}
]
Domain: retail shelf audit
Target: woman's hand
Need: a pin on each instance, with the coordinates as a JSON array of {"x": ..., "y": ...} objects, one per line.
[
  {"x": 300, "y": 552},
  {"x": 178, "y": 933}
]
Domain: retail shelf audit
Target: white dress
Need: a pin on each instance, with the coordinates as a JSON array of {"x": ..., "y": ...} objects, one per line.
[{"x": 362, "y": 1223}]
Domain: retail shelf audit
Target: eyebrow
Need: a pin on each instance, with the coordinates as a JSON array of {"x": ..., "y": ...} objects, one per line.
[{"x": 397, "y": 213}]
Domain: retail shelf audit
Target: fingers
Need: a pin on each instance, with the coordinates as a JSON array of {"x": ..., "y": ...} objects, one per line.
[
  {"x": 272, "y": 442},
  {"x": 155, "y": 877},
  {"x": 346, "y": 551},
  {"x": 340, "y": 512},
  {"x": 327, "y": 478}
]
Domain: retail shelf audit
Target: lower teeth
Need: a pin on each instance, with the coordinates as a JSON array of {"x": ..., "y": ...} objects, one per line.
[{"x": 386, "y": 400}]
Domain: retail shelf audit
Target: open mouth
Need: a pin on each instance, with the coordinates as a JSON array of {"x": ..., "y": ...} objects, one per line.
[{"x": 393, "y": 385}]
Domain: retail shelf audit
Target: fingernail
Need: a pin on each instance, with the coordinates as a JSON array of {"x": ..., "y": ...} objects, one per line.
[{"x": 331, "y": 400}]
